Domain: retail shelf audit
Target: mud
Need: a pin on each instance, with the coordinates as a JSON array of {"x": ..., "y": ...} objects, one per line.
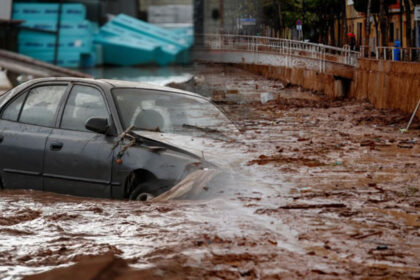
[{"x": 332, "y": 192}]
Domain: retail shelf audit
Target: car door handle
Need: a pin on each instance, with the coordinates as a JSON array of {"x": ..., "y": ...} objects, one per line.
[
  {"x": 1, "y": 138},
  {"x": 56, "y": 146}
]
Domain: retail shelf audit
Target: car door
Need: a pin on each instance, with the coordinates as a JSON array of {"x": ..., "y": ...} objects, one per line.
[
  {"x": 78, "y": 161},
  {"x": 26, "y": 122}
]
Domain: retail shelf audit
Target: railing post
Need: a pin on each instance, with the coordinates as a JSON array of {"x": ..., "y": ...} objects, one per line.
[
  {"x": 320, "y": 60},
  {"x": 287, "y": 48}
]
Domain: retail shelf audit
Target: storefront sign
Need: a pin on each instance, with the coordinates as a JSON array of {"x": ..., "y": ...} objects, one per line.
[
  {"x": 417, "y": 13},
  {"x": 248, "y": 21},
  {"x": 299, "y": 25},
  {"x": 395, "y": 8}
]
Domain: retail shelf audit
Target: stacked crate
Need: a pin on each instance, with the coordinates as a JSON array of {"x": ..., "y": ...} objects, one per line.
[
  {"x": 129, "y": 41},
  {"x": 76, "y": 33}
]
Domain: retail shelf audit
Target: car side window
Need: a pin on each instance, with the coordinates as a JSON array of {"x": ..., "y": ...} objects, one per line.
[
  {"x": 11, "y": 113},
  {"x": 83, "y": 103},
  {"x": 41, "y": 105}
]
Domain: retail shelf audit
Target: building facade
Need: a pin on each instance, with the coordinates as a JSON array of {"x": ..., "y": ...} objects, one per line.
[
  {"x": 228, "y": 16},
  {"x": 397, "y": 25}
]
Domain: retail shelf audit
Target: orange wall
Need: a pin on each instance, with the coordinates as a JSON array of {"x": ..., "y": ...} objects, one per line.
[
  {"x": 353, "y": 18},
  {"x": 388, "y": 84},
  {"x": 385, "y": 84}
]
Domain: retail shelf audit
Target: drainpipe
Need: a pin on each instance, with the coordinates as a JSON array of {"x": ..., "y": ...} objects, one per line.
[
  {"x": 199, "y": 21},
  {"x": 303, "y": 18},
  {"x": 418, "y": 34},
  {"x": 401, "y": 23},
  {"x": 222, "y": 16},
  {"x": 367, "y": 29},
  {"x": 417, "y": 23}
]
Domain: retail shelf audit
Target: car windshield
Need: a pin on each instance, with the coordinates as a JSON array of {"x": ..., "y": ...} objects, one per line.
[{"x": 160, "y": 111}]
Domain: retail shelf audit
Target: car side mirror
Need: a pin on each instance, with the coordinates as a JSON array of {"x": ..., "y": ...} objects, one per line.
[{"x": 99, "y": 125}]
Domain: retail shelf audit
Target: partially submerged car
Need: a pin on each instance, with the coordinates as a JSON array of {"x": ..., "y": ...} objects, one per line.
[{"x": 96, "y": 138}]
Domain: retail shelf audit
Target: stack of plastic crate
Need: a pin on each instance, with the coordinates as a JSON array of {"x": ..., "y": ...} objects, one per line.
[
  {"x": 75, "y": 34},
  {"x": 129, "y": 41}
]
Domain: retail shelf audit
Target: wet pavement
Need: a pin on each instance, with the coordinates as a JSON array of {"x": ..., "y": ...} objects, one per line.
[{"x": 328, "y": 190}]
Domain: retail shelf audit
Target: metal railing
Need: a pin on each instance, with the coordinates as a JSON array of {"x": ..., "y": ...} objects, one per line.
[
  {"x": 284, "y": 47},
  {"x": 391, "y": 53}
]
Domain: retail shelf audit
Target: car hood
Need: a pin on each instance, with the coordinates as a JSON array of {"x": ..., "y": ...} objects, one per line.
[{"x": 212, "y": 150}]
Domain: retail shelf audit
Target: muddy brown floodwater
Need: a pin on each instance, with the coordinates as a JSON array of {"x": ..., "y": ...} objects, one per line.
[{"x": 331, "y": 192}]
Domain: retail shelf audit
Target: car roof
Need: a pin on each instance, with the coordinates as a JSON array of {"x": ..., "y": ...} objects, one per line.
[
  {"x": 132, "y": 84},
  {"x": 110, "y": 83},
  {"x": 117, "y": 84}
]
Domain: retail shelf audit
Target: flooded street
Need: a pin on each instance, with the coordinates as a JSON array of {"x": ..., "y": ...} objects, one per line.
[{"x": 324, "y": 189}]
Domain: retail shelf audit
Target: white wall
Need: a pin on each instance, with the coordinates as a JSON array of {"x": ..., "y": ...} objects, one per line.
[
  {"x": 170, "y": 14},
  {"x": 144, "y": 4},
  {"x": 5, "y": 9}
]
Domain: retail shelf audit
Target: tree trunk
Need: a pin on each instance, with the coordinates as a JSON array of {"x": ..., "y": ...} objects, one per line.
[
  {"x": 375, "y": 19},
  {"x": 408, "y": 22},
  {"x": 339, "y": 31},
  {"x": 280, "y": 18},
  {"x": 383, "y": 23},
  {"x": 367, "y": 31},
  {"x": 346, "y": 30},
  {"x": 343, "y": 31}
]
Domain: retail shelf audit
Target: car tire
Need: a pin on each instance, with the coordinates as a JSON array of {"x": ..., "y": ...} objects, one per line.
[{"x": 145, "y": 191}]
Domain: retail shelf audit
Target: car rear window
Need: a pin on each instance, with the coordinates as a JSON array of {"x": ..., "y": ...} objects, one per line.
[
  {"x": 11, "y": 113},
  {"x": 41, "y": 105}
]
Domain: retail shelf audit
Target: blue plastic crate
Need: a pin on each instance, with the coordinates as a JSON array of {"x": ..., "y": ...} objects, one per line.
[
  {"x": 29, "y": 40},
  {"x": 185, "y": 32},
  {"x": 150, "y": 30},
  {"x": 166, "y": 54},
  {"x": 41, "y": 11},
  {"x": 80, "y": 28},
  {"x": 125, "y": 51}
]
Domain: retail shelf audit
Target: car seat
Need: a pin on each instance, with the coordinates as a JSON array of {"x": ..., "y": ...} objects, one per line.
[{"x": 149, "y": 120}]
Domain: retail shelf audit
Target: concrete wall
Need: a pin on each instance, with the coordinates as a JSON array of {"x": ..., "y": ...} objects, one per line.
[
  {"x": 385, "y": 84},
  {"x": 144, "y": 4},
  {"x": 211, "y": 25},
  {"x": 388, "y": 84},
  {"x": 309, "y": 79},
  {"x": 304, "y": 71}
]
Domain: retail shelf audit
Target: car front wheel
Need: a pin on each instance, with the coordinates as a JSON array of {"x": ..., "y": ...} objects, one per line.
[{"x": 147, "y": 191}]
